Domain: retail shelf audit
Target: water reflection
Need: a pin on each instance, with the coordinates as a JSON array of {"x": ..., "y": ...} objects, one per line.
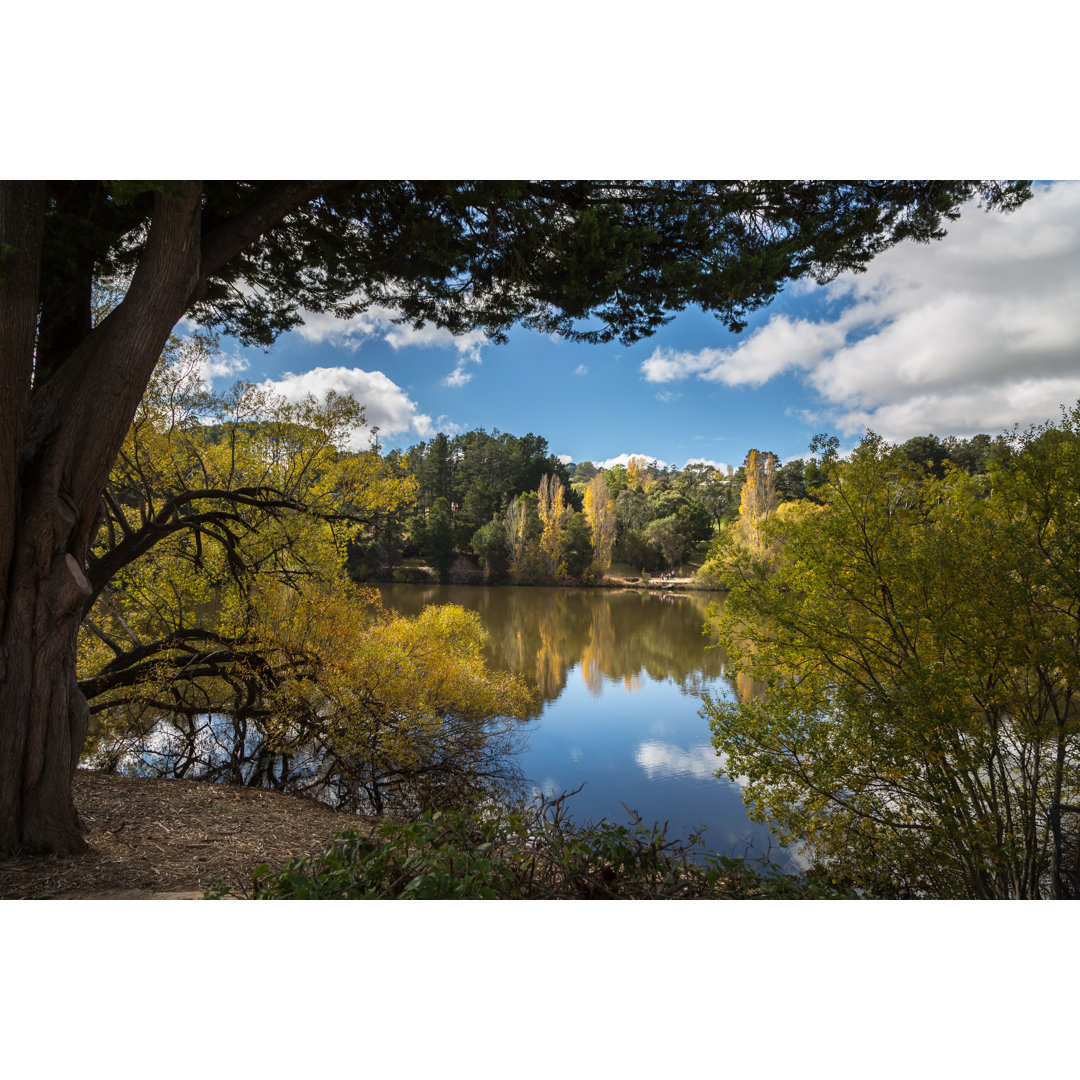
[
  {"x": 618, "y": 636},
  {"x": 620, "y": 674},
  {"x": 664, "y": 760}
]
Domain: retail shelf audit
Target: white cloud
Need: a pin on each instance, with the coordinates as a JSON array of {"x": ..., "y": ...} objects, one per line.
[
  {"x": 461, "y": 375},
  {"x": 662, "y": 760},
  {"x": 386, "y": 405},
  {"x": 581, "y": 369},
  {"x": 444, "y": 424},
  {"x": 624, "y": 459},
  {"x": 779, "y": 345},
  {"x": 403, "y": 336},
  {"x": 972, "y": 333},
  {"x": 207, "y": 362},
  {"x": 223, "y": 366},
  {"x": 326, "y": 328},
  {"x": 667, "y": 396},
  {"x": 720, "y": 466}
]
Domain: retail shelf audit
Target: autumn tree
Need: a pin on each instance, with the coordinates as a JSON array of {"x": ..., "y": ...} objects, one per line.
[
  {"x": 635, "y": 472},
  {"x": 515, "y": 533},
  {"x": 554, "y": 518},
  {"x": 224, "y": 642},
  {"x": 209, "y": 495},
  {"x": 600, "y": 513},
  {"x": 919, "y": 640},
  {"x": 758, "y": 498},
  {"x": 590, "y": 261}
]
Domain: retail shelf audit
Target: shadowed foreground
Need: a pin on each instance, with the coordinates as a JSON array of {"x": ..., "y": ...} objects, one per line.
[{"x": 171, "y": 839}]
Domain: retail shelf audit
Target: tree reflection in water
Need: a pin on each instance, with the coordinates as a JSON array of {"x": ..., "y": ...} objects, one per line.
[{"x": 620, "y": 674}]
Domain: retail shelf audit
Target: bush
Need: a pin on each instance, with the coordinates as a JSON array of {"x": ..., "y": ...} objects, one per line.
[{"x": 532, "y": 853}]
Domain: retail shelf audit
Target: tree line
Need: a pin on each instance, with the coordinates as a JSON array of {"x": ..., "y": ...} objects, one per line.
[{"x": 496, "y": 508}]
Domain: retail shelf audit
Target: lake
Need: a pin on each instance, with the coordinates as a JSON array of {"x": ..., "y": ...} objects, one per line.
[{"x": 621, "y": 673}]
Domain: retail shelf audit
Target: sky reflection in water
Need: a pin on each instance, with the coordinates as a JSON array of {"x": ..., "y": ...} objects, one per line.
[{"x": 621, "y": 675}]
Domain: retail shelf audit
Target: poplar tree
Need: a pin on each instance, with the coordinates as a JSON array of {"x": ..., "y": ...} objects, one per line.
[
  {"x": 758, "y": 499},
  {"x": 600, "y": 513},
  {"x": 554, "y": 518}
]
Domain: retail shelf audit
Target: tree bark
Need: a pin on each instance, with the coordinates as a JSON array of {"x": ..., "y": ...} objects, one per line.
[
  {"x": 59, "y": 438},
  {"x": 53, "y": 472}
]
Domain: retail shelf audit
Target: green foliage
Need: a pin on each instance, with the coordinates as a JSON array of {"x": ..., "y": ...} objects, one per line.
[
  {"x": 577, "y": 546},
  {"x": 489, "y": 546},
  {"x": 919, "y": 639},
  {"x": 439, "y": 539},
  {"x": 532, "y": 853},
  {"x": 588, "y": 260}
]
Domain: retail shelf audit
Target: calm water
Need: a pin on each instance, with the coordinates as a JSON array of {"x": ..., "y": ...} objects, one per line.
[{"x": 621, "y": 674}]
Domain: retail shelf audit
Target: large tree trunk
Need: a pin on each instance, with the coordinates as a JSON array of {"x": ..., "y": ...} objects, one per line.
[
  {"x": 54, "y": 463},
  {"x": 44, "y": 712},
  {"x": 60, "y": 430}
]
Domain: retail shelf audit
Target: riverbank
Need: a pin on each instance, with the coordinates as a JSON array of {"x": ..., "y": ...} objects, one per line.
[
  {"x": 152, "y": 839},
  {"x": 615, "y": 578}
]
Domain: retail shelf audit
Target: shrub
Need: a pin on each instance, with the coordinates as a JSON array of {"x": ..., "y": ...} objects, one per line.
[{"x": 530, "y": 853}]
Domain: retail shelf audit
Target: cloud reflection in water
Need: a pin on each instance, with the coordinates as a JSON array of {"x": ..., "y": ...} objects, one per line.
[{"x": 662, "y": 760}]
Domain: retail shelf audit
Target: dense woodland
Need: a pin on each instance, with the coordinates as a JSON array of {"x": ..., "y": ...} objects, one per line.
[{"x": 495, "y": 508}]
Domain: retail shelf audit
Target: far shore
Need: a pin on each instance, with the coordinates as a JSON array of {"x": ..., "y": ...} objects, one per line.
[{"x": 423, "y": 575}]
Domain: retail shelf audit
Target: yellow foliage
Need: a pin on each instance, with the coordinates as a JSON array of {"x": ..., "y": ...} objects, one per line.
[
  {"x": 230, "y": 628},
  {"x": 758, "y": 499},
  {"x": 380, "y": 692},
  {"x": 600, "y": 513},
  {"x": 554, "y": 516}
]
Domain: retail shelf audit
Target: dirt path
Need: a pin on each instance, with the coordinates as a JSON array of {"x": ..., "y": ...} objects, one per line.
[{"x": 171, "y": 839}]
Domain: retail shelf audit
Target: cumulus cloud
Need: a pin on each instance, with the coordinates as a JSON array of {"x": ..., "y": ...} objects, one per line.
[
  {"x": 581, "y": 369},
  {"x": 386, "y": 405},
  {"x": 720, "y": 466},
  {"x": 624, "y": 459},
  {"x": 326, "y": 328},
  {"x": 778, "y": 346},
  {"x": 968, "y": 334},
  {"x": 223, "y": 366}
]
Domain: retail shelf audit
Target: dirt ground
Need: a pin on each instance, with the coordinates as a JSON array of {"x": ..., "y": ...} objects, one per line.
[{"x": 171, "y": 840}]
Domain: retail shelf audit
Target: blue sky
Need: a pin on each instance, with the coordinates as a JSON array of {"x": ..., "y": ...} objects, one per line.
[{"x": 973, "y": 333}]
